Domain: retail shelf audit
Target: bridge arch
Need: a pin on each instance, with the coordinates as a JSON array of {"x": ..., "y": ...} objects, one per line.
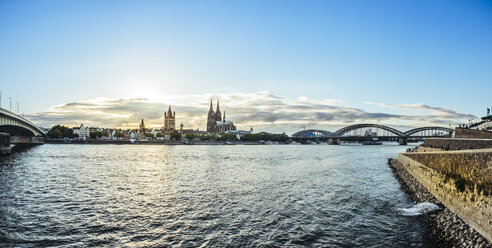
[
  {"x": 16, "y": 130},
  {"x": 313, "y": 133},
  {"x": 17, "y": 125},
  {"x": 420, "y": 129},
  {"x": 342, "y": 131}
]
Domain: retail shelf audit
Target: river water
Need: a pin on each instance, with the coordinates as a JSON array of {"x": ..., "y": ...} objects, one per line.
[{"x": 192, "y": 196}]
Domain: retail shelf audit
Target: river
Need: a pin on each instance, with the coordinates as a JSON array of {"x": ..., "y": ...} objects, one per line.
[{"x": 192, "y": 196}]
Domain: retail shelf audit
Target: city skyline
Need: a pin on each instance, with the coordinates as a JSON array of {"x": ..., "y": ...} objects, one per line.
[
  {"x": 262, "y": 110},
  {"x": 112, "y": 63}
]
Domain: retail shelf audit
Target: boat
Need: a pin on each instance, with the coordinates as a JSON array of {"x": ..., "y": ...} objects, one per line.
[{"x": 229, "y": 143}]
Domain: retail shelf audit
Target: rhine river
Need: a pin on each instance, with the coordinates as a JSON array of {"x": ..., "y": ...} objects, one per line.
[{"x": 202, "y": 196}]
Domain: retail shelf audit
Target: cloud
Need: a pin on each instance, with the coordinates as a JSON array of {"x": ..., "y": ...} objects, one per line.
[
  {"x": 262, "y": 110},
  {"x": 437, "y": 112}
]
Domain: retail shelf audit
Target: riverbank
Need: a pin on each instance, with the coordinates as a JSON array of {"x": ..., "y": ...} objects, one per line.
[
  {"x": 447, "y": 227},
  {"x": 155, "y": 142}
]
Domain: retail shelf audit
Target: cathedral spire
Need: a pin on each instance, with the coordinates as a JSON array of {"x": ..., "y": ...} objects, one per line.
[
  {"x": 224, "y": 116},
  {"x": 170, "y": 112},
  {"x": 211, "y": 106},
  {"x": 218, "y": 108}
]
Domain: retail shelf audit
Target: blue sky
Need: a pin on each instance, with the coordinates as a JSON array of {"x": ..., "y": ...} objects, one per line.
[{"x": 365, "y": 55}]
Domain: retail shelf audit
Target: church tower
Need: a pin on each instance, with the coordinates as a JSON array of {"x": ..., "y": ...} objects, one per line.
[
  {"x": 170, "y": 119},
  {"x": 141, "y": 127},
  {"x": 218, "y": 115},
  {"x": 211, "y": 118}
]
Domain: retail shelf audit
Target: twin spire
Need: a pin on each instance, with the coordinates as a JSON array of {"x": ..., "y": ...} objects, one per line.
[{"x": 212, "y": 107}]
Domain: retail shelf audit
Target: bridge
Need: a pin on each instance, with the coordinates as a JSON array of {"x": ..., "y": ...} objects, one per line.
[
  {"x": 368, "y": 132},
  {"x": 17, "y": 130}
]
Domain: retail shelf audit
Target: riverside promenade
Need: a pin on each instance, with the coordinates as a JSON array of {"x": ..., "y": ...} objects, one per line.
[{"x": 459, "y": 181}]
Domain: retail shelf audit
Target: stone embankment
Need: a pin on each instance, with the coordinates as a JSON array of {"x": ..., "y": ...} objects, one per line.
[
  {"x": 457, "y": 144},
  {"x": 448, "y": 227},
  {"x": 472, "y": 134}
]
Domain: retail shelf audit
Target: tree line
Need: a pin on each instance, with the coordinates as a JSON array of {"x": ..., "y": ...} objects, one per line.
[
  {"x": 59, "y": 131},
  {"x": 246, "y": 137}
]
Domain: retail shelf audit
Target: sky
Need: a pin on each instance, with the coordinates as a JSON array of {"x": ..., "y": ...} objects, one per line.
[{"x": 274, "y": 65}]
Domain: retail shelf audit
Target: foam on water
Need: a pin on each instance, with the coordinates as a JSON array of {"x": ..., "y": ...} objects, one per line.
[{"x": 419, "y": 209}]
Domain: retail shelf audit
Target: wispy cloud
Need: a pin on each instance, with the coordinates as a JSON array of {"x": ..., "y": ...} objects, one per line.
[
  {"x": 437, "y": 112},
  {"x": 262, "y": 110}
]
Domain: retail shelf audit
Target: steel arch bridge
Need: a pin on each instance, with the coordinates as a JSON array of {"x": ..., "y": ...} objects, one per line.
[
  {"x": 313, "y": 133},
  {"x": 16, "y": 125},
  {"x": 392, "y": 134},
  {"x": 342, "y": 131},
  {"x": 408, "y": 133}
]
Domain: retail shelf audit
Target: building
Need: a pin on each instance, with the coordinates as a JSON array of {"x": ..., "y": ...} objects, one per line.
[
  {"x": 140, "y": 133},
  {"x": 216, "y": 123},
  {"x": 141, "y": 127},
  {"x": 83, "y": 132},
  {"x": 170, "y": 119},
  {"x": 169, "y": 123}
]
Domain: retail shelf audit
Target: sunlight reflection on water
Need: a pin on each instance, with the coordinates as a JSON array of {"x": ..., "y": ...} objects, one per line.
[{"x": 139, "y": 195}]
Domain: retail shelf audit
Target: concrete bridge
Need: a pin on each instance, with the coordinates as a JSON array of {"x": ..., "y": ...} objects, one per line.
[
  {"x": 18, "y": 131},
  {"x": 368, "y": 132}
]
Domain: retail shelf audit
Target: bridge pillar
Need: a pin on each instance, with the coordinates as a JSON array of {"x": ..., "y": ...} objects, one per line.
[
  {"x": 402, "y": 141},
  {"x": 4, "y": 143},
  {"x": 334, "y": 142}
]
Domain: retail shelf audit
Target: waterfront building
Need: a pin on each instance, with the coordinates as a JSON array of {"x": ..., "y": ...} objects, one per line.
[
  {"x": 126, "y": 134},
  {"x": 216, "y": 123},
  {"x": 83, "y": 132}
]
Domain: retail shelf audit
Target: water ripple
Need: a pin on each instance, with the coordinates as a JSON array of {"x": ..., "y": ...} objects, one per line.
[{"x": 204, "y": 196}]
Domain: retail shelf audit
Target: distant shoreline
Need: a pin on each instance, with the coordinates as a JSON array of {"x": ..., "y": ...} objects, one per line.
[{"x": 164, "y": 142}]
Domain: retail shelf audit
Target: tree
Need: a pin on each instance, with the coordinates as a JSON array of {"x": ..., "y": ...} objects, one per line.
[
  {"x": 265, "y": 136},
  {"x": 227, "y": 136},
  {"x": 96, "y": 134},
  {"x": 149, "y": 135},
  {"x": 158, "y": 135},
  {"x": 175, "y": 135},
  {"x": 62, "y": 132},
  {"x": 55, "y": 133},
  {"x": 118, "y": 134},
  {"x": 190, "y": 136}
]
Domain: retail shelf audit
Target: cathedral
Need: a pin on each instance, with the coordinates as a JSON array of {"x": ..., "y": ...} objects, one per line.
[{"x": 216, "y": 123}]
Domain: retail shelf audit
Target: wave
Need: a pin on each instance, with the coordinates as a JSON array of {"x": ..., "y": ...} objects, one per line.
[{"x": 419, "y": 209}]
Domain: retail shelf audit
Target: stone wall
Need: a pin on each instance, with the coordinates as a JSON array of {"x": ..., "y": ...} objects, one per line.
[
  {"x": 457, "y": 144},
  {"x": 470, "y": 167},
  {"x": 473, "y": 134},
  {"x": 449, "y": 229},
  {"x": 442, "y": 174}
]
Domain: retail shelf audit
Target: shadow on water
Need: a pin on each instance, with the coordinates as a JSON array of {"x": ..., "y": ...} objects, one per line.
[{"x": 22, "y": 148}]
